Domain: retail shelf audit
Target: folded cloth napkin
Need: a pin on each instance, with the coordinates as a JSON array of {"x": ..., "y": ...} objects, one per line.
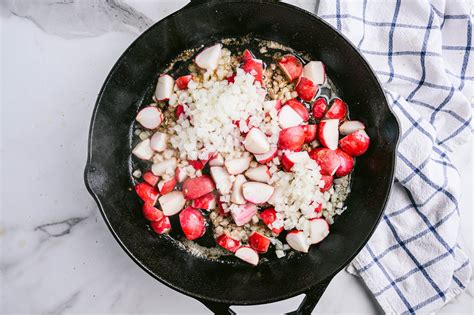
[{"x": 422, "y": 53}]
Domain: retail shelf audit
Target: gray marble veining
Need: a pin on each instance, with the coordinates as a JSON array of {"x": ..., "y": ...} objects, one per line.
[
  {"x": 56, "y": 254},
  {"x": 76, "y": 18}
]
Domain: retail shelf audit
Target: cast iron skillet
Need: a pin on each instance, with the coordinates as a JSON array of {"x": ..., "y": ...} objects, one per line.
[{"x": 216, "y": 284}]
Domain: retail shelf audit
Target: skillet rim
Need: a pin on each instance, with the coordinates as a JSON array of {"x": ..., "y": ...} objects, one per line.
[{"x": 88, "y": 171}]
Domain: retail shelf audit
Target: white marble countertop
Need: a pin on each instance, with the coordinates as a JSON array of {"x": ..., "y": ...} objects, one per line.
[{"x": 57, "y": 256}]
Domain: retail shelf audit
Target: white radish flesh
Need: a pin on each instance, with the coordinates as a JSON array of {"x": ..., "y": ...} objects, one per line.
[
  {"x": 164, "y": 167},
  {"x": 150, "y": 117},
  {"x": 236, "y": 195},
  {"x": 319, "y": 229},
  {"x": 172, "y": 202},
  {"x": 256, "y": 192},
  {"x": 217, "y": 160},
  {"x": 248, "y": 255},
  {"x": 159, "y": 141},
  {"x": 288, "y": 117},
  {"x": 208, "y": 58},
  {"x": 256, "y": 142},
  {"x": 259, "y": 174},
  {"x": 164, "y": 87},
  {"x": 297, "y": 241},
  {"x": 328, "y": 133},
  {"x": 143, "y": 150},
  {"x": 237, "y": 166},
  {"x": 350, "y": 126},
  {"x": 314, "y": 70},
  {"x": 266, "y": 157},
  {"x": 222, "y": 179}
]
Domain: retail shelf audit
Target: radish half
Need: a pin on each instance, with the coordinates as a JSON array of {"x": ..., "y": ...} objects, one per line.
[
  {"x": 247, "y": 254},
  {"x": 328, "y": 133},
  {"x": 150, "y": 117},
  {"x": 208, "y": 58},
  {"x": 164, "y": 87}
]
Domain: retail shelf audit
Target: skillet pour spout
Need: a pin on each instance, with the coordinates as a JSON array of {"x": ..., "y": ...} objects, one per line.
[{"x": 130, "y": 84}]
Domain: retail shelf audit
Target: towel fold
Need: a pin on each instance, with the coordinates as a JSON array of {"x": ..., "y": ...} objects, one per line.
[{"x": 422, "y": 53}]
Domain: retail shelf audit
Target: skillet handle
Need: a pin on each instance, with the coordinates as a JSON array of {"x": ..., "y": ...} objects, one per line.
[
  {"x": 312, "y": 298},
  {"x": 218, "y": 308},
  {"x": 308, "y": 304}
]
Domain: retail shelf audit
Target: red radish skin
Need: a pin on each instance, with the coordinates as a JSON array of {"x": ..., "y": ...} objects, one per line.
[
  {"x": 150, "y": 117},
  {"x": 306, "y": 89},
  {"x": 196, "y": 164},
  {"x": 256, "y": 192},
  {"x": 288, "y": 117},
  {"x": 147, "y": 193},
  {"x": 327, "y": 159},
  {"x": 166, "y": 186},
  {"x": 228, "y": 243},
  {"x": 164, "y": 87},
  {"x": 259, "y": 174},
  {"x": 318, "y": 208},
  {"x": 288, "y": 160},
  {"x": 328, "y": 133},
  {"x": 310, "y": 133},
  {"x": 159, "y": 141},
  {"x": 291, "y": 67},
  {"x": 356, "y": 143},
  {"x": 247, "y": 55},
  {"x": 326, "y": 182},
  {"x": 297, "y": 241},
  {"x": 192, "y": 223},
  {"x": 320, "y": 106},
  {"x": 221, "y": 208},
  {"x": 183, "y": 81},
  {"x": 150, "y": 178},
  {"x": 346, "y": 163},
  {"x": 151, "y": 213},
  {"x": 206, "y": 202},
  {"x": 143, "y": 150},
  {"x": 194, "y": 188},
  {"x": 259, "y": 242},
  {"x": 161, "y": 227},
  {"x": 319, "y": 229},
  {"x": 299, "y": 108},
  {"x": 247, "y": 254},
  {"x": 253, "y": 67},
  {"x": 256, "y": 142},
  {"x": 315, "y": 71},
  {"x": 231, "y": 79},
  {"x": 337, "y": 109},
  {"x": 244, "y": 213},
  {"x": 179, "y": 111},
  {"x": 208, "y": 58},
  {"x": 172, "y": 203},
  {"x": 266, "y": 157},
  {"x": 350, "y": 126},
  {"x": 291, "y": 138},
  {"x": 268, "y": 216}
]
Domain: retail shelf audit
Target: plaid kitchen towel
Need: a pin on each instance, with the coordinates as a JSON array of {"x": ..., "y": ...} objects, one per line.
[{"x": 422, "y": 52}]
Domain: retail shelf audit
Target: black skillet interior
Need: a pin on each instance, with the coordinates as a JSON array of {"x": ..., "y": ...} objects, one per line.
[{"x": 108, "y": 168}]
